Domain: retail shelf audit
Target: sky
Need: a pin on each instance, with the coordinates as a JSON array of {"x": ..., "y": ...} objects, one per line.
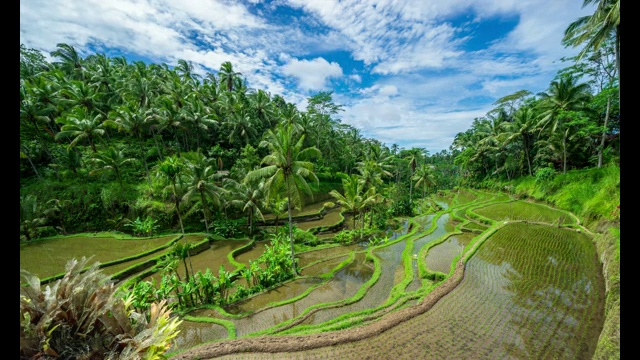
[{"x": 408, "y": 72}]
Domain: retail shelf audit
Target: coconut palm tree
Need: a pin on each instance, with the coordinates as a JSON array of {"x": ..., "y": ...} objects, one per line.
[
  {"x": 289, "y": 166},
  {"x": 424, "y": 177},
  {"x": 81, "y": 126},
  {"x": 523, "y": 128},
  {"x": 171, "y": 168},
  {"x": 111, "y": 160},
  {"x": 351, "y": 199},
  {"x": 227, "y": 75},
  {"x": 594, "y": 29},
  {"x": 249, "y": 197},
  {"x": 135, "y": 121},
  {"x": 30, "y": 216},
  {"x": 202, "y": 181},
  {"x": 69, "y": 60},
  {"x": 56, "y": 209},
  {"x": 563, "y": 97}
]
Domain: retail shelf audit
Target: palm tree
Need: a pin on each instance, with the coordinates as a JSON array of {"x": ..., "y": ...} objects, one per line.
[
  {"x": 523, "y": 128},
  {"x": 249, "y": 197},
  {"x": 227, "y": 75},
  {"x": 424, "y": 177},
  {"x": 171, "y": 168},
  {"x": 564, "y": 96},
  {"x": 134, "y": 120},
  {"x": 287, "y": 165},
  {"x": 596, "y": 28},
  {"x": 57, "y": 210},
  {"x": 201, "y": 178},
  {"x": 352, "y": 198},
  {"x": 78, "y": 93},
  {"x": 111, "y": 160},
  {"x": 492, "y": 132},
  {"x": 30, "y": 219},
  {"x": 70, "y": 60},
  {"x": 81, "y": 126},
  {"x": 413, "y": 155},
  {"x": 277, "y": 206},
  {"x": 185, "y": 69},
  {"x": 199, "y": 118},
  {"x": 263, "y": 108},
  {"x": 241, "y": 126}
]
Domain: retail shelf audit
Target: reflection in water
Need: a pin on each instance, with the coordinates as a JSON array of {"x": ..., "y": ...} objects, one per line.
[
  {"x": 193, "y": 333},
  {"x": 332, "y": 217},
  {"x": 529, "y": 292},
  {"x": 343, "y": 285},
  {"x": 438, "y": 232},
  {"x": 211, "y": 258},
  {"x": 439, "y": 257},
  {"x": 525, "y": 295}
]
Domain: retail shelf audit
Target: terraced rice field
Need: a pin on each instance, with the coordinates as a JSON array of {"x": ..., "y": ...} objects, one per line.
[{"x": 517, "y": 280}]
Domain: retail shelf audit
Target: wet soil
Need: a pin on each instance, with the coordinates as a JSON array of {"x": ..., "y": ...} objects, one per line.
[{"x": 289, "y": 343}]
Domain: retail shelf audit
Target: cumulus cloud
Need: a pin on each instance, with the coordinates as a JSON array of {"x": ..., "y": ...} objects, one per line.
[
  {"x": 312, "y": 74},
  {"x": 400, "y": 67}
]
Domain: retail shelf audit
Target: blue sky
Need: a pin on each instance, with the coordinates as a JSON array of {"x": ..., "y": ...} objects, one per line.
[{"x": 407, "y": 72}]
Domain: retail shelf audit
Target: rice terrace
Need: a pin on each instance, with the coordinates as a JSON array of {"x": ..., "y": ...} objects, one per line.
[
  {"x": 173, "y": 208},
  {"x": 524, "y": 282}
]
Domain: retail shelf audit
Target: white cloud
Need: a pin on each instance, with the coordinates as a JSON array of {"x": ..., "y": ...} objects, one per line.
[
  {"x": 411, "y": 68},
  {"x": 312, "y": 74}
]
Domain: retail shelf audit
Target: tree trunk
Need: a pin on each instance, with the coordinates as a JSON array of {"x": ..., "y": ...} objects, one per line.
[
  {"x": 293, "y": 260},
  {"x": 604, "y": 132}
]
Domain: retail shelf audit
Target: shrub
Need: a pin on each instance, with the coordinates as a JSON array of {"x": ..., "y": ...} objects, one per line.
[
  {"x": 80, "y": 317},
  {"x": 545, "y": 174}
]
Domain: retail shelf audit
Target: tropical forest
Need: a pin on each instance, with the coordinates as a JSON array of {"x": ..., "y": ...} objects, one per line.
[{"x": 169, "y": 215}]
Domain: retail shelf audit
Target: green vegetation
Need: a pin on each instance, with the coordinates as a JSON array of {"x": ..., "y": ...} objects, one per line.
[{"x": 138, "y": 150}]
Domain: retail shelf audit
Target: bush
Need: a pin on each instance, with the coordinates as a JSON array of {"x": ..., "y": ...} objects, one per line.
[
  {"x": 545, "y": 174},
  {"x": 80, "y": 317}
]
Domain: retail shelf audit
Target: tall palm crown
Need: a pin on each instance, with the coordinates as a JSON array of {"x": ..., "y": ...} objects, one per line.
[
  {"x": 563, "y": 95},
  {"x": 203, "y": 184},
  {"x": 288, "y": 167},
  {"x": 228, "y": 75},
  {"x": 596, "y": 28}
]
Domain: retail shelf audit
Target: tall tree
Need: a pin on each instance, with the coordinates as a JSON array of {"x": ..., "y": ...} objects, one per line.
[
  {"x": 352, "y": 197},
  {"x": 135, "y": 121},
  {"x": 111, "y": 160},
  {"x": 80, "y": 126},
  {"x": 523, "y": 128},
  {"x": 564, "y": 96},
  {"x": 227, "y": 75},
  {"x": 69, "y": 60},
  {"x": 171, "y": 169},
  {"x": 202, "y": 181},
  {"x": 288, "y": 165},
  {"x": 249, "y": 197},
  {"x": 594, "y": 29}
]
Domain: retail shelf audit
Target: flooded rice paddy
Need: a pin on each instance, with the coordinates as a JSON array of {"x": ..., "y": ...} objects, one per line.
[{"x": 529, "y": 290}]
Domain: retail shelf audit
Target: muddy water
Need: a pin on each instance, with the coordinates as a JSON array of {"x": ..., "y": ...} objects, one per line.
[
  {"x": 193, "y": 333},
  {"x": 208, "y": 259},
  {"x": 309, "y": 257},
  {"x": 522, "y": 297},
  {"x": 391, "y": 263},
  {"x": 332, "y": 217},
  {"x": 307, "y": 210},
  {"x": 438, "y": 232},
  {"x": 343, "y": 285},
  {"x": 439, "y": 257}
]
